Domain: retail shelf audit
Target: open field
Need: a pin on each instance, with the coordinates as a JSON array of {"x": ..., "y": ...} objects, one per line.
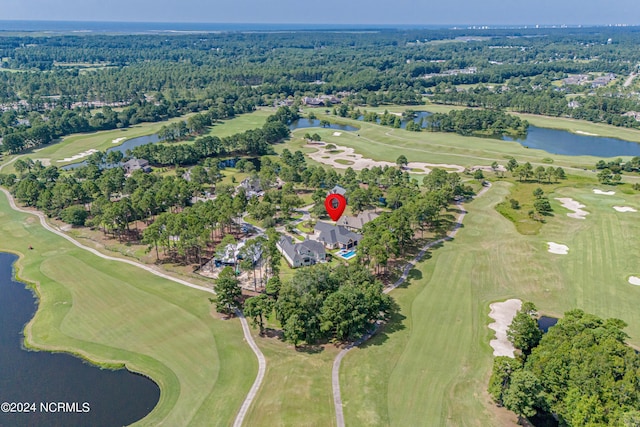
[
  {"x": 433, "y": 361},
  {"x": 238, "y": 124},
  {"x": 113, "y": 313}
]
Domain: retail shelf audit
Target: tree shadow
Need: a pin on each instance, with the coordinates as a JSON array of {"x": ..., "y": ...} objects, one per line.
[
  {"x": 416, "y": 274},
  {"x": 273, "y": 333},
  {"x": 455, "y": 210},
  {"x": 381, "y": 334},
  {"x": 310, "y": 349}
]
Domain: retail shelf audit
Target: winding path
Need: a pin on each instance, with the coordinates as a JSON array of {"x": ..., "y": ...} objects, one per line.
[
  {"x": 262, "y": 364},
  {"x": 335, "y": 372},
  {"x": 9, "y": 162},
  {"x": 629, "y": 80}
]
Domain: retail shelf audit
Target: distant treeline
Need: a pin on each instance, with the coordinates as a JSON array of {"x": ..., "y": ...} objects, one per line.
[
  {"x": 548, "y": 102},
  {"x": 157, "y": 77}
]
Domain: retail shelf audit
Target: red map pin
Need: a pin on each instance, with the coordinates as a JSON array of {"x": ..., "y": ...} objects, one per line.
[{"x": 335, "y": 205}]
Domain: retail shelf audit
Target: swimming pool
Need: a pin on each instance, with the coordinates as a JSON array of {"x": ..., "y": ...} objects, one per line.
[{"x": 347, "y": 254}]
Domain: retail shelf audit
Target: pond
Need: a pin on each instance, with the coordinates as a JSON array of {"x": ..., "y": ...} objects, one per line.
[
  {"x": 545, "y": 322},
  {"x": 563, "y": 142},
  {"x": 315, "y": 123},
  {"x": 114, "y": 398}
]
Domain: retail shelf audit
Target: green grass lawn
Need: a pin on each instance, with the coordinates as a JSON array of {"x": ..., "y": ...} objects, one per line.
[
  {"x": 241, "y": 123},
  {"x": 303, "y": 227},
  {"x": 113, "y": 313},
  {"x": 433, "y": 361},
  {"x": 297, "y": 386},
  {"x": 229, "y": 174},
  {"x": 523, "y": 193}
]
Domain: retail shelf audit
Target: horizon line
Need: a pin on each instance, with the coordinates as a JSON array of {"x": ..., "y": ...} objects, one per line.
[{"x": 318, "y": 24}]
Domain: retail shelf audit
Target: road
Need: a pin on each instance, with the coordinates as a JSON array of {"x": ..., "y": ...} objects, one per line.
[{"x": 262, "y": 364}]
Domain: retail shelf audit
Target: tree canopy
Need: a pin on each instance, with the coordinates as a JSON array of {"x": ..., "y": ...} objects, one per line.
[{"x": 581, "y": 370}]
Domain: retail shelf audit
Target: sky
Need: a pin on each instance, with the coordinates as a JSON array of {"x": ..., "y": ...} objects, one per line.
[{"x": 415, "y": 12}]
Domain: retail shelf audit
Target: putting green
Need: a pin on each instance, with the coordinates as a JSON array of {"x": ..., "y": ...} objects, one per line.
[{"x": 113, "y": 313}]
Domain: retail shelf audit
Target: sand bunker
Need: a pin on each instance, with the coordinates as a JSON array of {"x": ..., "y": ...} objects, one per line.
[
  {"x": 581, "y": 132},
  {"x": 359, "y": 162},
  {"x": 606, "y": 193},
  {"x": 78, "y": 156},
  {"x": 558, "y": 249},
  {"x": 574, "y": 206},
  {"x": 337, "y": 133},
  {"x": 44, "y": 161},
  {"x": 118, "y": 140},
  {"x": 634, "y": 280},
  {"x": 624, "y": 209},
  {"x": 503, "y": 314}
]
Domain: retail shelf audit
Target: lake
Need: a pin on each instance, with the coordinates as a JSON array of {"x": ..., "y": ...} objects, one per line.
[
  {"x": 563, "y": 142},
  {"x": 419, "y": 115},
  {"x": 115, "y": 398}
]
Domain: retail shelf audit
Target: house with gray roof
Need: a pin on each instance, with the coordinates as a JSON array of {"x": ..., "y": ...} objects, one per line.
[
  {"x": 133, "y": 165},
  {"x": 338, "y": 190},
  {"x": 252, "y": 186},
  {"x": 308, "y": 252},
  {"x": 335, "y": 236},
  {"x": 355, "y": 223}
]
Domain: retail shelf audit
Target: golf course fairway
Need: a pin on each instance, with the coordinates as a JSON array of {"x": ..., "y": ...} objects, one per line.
[
  {"x": 431, "y": 364},
  {"x": 115, "y": 314}
]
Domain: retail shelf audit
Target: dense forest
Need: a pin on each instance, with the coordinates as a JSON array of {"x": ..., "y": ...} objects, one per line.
[{"x": 54, "y": 85}]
